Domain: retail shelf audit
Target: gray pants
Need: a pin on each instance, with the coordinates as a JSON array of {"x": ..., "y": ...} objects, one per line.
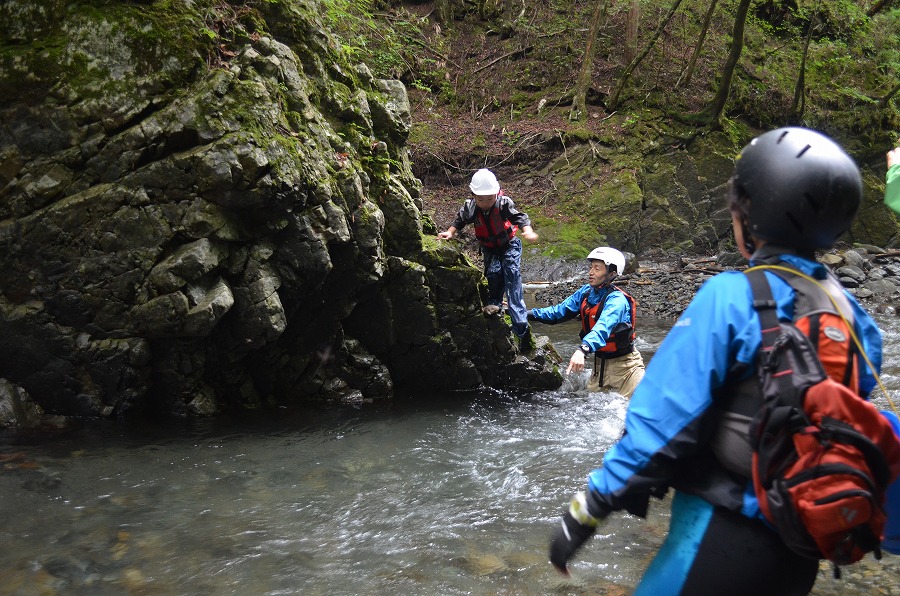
[{"x": 621, "y": 374}]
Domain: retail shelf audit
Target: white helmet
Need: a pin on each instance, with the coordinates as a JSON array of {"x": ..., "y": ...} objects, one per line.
[
  {"x": 484, "y": 183},
  {"x": 609, "y": 256}
]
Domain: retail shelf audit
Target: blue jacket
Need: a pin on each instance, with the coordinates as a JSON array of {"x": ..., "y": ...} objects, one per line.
[
  {"x": 616, "y": 310},
  {"x": 665, "y": 443}
]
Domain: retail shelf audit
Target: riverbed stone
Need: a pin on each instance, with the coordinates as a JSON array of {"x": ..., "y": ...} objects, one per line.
[
  {"x": 870, "y": 249},
  {"x": 17, "y": 408},
  {"x": 853, "y": 272},
  {"x": 881, "y": 287},
  {"x": 876, "y": 273},
  {"x": 854, "y": 258}
]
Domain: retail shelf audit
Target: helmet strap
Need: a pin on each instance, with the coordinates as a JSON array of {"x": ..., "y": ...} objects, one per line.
[{"x": 749, "y": 245}]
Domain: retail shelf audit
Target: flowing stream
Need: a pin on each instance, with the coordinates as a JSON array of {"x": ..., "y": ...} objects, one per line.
[{"x": 458, "y": 495}]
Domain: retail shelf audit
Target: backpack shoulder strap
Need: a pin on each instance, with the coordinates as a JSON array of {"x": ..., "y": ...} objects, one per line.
[
  {"x": 773, "y": 366},
  {"x": 765, "y": 307}
]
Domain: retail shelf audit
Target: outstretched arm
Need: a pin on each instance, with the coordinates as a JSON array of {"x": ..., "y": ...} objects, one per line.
[{"x": 450, "y": 233}]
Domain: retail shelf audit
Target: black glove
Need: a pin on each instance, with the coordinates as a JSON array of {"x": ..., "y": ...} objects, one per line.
[
  {"x": 530, "y": 316},
  {"x": 571, "y": 533}
]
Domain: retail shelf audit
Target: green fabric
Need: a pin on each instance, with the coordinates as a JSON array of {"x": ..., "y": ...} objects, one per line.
[{"x": 892, "y": 188}]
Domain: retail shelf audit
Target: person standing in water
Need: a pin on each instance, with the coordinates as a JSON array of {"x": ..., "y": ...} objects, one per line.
[{"x": 607, "y": 325}]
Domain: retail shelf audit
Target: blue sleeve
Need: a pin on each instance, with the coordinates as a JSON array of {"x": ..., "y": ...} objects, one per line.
[
  {"x": 870, "y": 337},
  {"x": 563, "y": 311},
  {"x": 615, "y": 310},
  {"x": 663, "y": 422},
  {"x": 891, "y": 541}
]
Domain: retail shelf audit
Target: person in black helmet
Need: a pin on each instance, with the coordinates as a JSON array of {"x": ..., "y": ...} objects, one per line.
[{"x": 793, "y": 191}]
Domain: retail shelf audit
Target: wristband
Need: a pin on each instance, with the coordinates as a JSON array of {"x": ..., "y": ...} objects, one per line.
[
  {"x": 578, "y": 509},
  {"x": 585, "y": 349}
]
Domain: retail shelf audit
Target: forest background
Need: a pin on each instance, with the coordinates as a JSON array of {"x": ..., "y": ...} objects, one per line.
[
  {"x": 616, "y": 121},
  {"x": 210, "y": 205}
]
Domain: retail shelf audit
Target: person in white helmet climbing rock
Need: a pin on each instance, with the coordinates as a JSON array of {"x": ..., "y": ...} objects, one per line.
[
  {"x": 607, "y": 325},
  {"x": 496, "y": 222}
]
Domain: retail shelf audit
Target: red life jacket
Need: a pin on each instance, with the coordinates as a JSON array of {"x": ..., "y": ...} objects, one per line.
[
  {"x": 492, "y": 230},
  {"x": 621, "y": 337}
]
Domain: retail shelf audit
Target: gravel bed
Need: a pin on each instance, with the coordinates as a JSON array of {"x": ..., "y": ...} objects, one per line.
[{"x": 664, "y": 285}]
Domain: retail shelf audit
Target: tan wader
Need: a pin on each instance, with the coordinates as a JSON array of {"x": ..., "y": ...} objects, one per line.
[{"x": 621, "y": 374}]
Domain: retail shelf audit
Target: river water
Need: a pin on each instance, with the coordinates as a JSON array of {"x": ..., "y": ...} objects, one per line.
[{"x": 455, "y": 496}]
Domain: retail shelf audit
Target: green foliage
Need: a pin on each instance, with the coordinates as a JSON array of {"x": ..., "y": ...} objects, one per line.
[
  {"x": 208, "y": 33},
  {"x": 566, "y": 239},
  {"x": 832, "y": 19},
  {"x": 363, "y": 38},
  {"x": 736, "y": 132},
  {"x": 511, "y": 137},
  {"x": 390, "y": 44},
  {"x": 852, "y": 62}
]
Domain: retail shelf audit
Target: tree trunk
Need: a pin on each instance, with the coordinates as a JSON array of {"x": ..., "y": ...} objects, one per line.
[
  {"x": 882, "y": 103},
  {"x": 692, "y": 63},
  {"x": 631, "y": 31},
  {"x": 799, "y": 103},
  {"x": 614, "y": 98},
  {"x": 714, "y": 110},
  {"x": 487, "y": 9},
  {"x": 579, "y": 94},
  {"x": 878, "y": 7},
  {"x": 443, "y": 10}
]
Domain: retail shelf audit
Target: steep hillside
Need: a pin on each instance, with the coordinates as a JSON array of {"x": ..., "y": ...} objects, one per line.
[{"x": 491, "y": 85}]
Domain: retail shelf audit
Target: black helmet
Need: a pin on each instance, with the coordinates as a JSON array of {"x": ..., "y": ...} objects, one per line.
[{"x": 804, "y": 190}]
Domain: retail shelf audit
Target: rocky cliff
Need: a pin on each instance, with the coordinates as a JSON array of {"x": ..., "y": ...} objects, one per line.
[{"x": 204, "y": 206}]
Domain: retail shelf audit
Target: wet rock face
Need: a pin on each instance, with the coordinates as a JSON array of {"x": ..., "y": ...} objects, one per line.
[{"x": 188, "y": 229}]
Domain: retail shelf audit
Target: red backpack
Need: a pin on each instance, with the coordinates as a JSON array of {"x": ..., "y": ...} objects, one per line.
[{"x": 823, "y": 456}]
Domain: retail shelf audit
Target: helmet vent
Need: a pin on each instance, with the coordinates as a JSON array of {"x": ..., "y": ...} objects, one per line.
[
  {"x": 795, "y": 222},
  {"x": 817, "y": 207},
  {"x": 804, "y": 150}
]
